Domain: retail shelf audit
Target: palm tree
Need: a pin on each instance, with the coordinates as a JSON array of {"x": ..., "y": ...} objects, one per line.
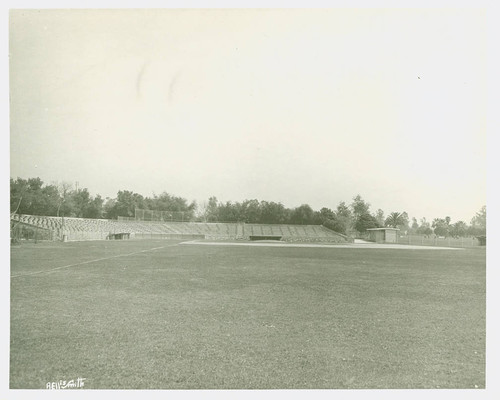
[{"x": 395, "y": 219}]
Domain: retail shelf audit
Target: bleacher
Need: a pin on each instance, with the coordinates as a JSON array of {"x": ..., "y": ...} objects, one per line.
[
  {"x": 295, "y": 233},
  {"x": 72, "y": 229}
]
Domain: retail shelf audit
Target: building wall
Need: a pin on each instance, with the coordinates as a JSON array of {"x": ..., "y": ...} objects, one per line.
[
  {"x": 391, "y": 236},
  {"x": 377, "y": 236}
]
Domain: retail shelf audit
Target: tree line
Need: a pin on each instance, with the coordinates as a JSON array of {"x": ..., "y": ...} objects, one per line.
[{"x": 33, "y": 197}]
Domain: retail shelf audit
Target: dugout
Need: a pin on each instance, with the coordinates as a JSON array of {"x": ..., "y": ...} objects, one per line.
[
  {"x": 264, "y": 237},
  {"x": 383, "y": 235},
  {"x": 119, "y": 236}
]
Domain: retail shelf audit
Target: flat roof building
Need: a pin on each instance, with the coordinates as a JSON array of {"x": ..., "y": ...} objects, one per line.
[{"x": 383, "y": 235}]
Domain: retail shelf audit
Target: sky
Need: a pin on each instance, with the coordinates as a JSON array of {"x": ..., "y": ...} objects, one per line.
[{"x": 301, "y": 106}]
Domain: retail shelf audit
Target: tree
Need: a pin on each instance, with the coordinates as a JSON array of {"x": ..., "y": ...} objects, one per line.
[
  {"x": 360, "y": 212},
  {"x": 17, "y": 193},
  {"x": 343, "y": 210},
  {"x": 379, "y": 216},
  {"x": 478, "y": 222},
  {"x": 303, "y": 215},
  {"x": 65, "y": 206},
  {"x": 344, "y": 218},
  {"x": 406, "y": 221},
  {"x": 32, "y": 197},
  {"x": 414, "y": 225},
  {"x": 228, "y": 212},
  {"x": 319, "y": 217},
  {"x": 251, "y": 211},
  {"x": 95, "y": 208},
  {"x": 458, "y": 229},
  {"x": 27, "y": 194},
  {"x": 397, "y": 220},
  {"x": 366, "y": 221},
  {"x": 212, "y": 210},
  {"x": 108, "y": 207},
  {"x": 168, "y": 202},
  {"x": 326, "y": 213},
  {"x": 35, "y": 196},
  {"x": 81, "y": 202},
  {"x": 424, "y": 228},
  {"x": 49, "y": 199},
  {"x": 272, "y": 213},
  {"x": 359, "y": 207},
  {"x": 125, "y": 204},
  {"x": 335, "y": 224},
  {"x": 441, "y": 226}
]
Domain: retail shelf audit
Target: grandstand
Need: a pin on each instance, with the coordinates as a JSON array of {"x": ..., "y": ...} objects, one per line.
[{"x": 76, "y": 229}]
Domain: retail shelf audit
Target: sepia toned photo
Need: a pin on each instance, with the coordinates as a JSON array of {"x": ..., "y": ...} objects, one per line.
[{"x": 247, "y": 199}]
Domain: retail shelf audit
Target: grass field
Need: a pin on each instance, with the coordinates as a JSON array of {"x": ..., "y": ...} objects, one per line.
[{"x": 222, "y": 317}]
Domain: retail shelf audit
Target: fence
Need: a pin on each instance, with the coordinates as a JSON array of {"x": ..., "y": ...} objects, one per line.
[
  {"x": 439, "y": 241},
  {"x": 20, "y": 231},
  {"x": 154, "y": 215}
]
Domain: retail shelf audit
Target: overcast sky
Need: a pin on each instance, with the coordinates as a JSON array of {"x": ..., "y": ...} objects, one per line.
[{"x": 293, "y": 106}]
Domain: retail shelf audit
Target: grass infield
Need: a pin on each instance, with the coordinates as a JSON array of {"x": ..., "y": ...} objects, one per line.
[{"x": 124, "y": 316}]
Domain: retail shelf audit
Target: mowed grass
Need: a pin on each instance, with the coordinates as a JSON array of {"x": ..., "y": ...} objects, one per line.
[{"x": 221, "y": 317}]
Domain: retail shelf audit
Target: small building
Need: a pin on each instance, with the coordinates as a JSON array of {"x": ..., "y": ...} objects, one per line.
[{"x": 383, "y": 235}]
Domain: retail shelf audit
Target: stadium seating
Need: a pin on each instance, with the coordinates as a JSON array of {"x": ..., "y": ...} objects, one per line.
[{"x": 72, "y": 228}]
